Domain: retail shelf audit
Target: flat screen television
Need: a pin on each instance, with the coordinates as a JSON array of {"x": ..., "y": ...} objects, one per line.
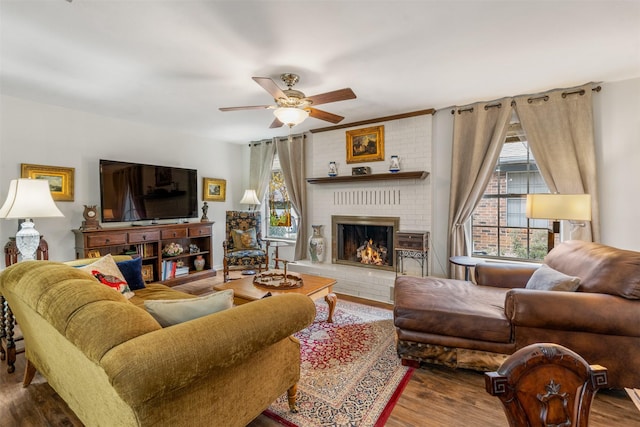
[{"x": 138, "y": 192}]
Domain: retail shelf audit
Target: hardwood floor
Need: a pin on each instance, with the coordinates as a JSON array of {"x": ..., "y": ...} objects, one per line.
[{"x": 435, "y": 396}]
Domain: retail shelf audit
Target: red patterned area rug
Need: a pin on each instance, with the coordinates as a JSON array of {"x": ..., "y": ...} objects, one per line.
[{"x": 350, "y": 373}]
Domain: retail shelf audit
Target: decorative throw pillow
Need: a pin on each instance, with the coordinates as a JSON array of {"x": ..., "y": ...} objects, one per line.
[
  {"x": 132, "y": 271},
  {"x": 244, "y": 239},
  {"x": 172, "y": 312},
  {"x": 107, "y": 272},
  {"x": 547, "y": 279}
]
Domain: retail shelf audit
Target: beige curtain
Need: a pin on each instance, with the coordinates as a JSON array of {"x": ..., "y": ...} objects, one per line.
[
  {"x": 559, "y": 128},
  {"x": 291, "y": 155},
  {"x": 260, "y": 163},
  {"x": 479, "y": 132}
]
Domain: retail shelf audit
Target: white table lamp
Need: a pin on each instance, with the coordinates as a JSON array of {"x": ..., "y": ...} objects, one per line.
[
  {"x": 250, "y": 198},
  {"x": 573, "y": 207},
  {"x": 27, "y": 199}
]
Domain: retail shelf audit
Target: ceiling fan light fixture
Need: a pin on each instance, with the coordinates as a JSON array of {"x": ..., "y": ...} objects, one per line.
[{"x": 291, "y": 116}]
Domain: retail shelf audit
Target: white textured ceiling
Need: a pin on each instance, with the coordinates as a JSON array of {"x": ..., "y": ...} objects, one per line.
[{"x": 174, "y": 63}]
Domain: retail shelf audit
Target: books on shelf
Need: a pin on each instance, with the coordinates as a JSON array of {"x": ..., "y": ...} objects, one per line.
[
  {"x": 145, "y": 250},
  {"x": 171, "y": 270}
]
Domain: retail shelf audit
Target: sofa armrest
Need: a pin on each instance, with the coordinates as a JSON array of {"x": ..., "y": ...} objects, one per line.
[
  {"x": 171, "y": 358},
  {"x": 573, "y": 311},
  {"x": 503, "y": 275}
]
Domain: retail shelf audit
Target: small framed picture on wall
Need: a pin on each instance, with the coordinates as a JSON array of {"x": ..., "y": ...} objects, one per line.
[{"x": 214, "y": 189}]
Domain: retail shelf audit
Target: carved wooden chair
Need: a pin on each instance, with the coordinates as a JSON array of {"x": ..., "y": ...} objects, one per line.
[
  {"x": 243, "y": 246},
  {"x": 546, "y": 385}
]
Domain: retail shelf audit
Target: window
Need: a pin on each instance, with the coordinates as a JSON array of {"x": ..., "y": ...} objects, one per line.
[
  {"x": 499, "y": 225},
  {"x": 281, "y": 218}
]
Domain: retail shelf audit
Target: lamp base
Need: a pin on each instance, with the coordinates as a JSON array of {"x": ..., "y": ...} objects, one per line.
[{"x": 27, "y": 240}]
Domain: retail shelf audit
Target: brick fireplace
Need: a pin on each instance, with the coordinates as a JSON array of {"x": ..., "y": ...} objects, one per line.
[
  {"x": 363, "y": 241},
  {"x": 407, "y": 201}
]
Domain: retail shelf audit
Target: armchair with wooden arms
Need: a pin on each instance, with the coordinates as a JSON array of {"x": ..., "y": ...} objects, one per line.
[
  {"x": 243, "y": 246},
  {"x": 546, "y": 384}
]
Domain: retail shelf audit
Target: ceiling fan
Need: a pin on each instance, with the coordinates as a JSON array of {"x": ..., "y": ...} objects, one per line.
[{"x": 292, "y": 106}]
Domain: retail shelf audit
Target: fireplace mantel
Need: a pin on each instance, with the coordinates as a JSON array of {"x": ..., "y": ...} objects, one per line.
[{"x": 372, "y": 177}]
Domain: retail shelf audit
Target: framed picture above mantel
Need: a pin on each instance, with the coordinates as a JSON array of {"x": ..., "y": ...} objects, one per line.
[{"x": 365, "y": 145}]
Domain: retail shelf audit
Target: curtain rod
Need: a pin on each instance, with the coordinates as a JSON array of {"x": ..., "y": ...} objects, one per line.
[
  {"x": 529, "y": 100},
  {"x": 269, "y": 141}
]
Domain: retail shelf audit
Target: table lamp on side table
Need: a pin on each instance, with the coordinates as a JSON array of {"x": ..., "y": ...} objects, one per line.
[
  {"x": 27, "y": 199},
  {"x": 573, "y": 207}
]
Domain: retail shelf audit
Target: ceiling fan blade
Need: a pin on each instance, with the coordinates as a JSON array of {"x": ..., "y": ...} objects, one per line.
[
  {"x": 276, "y": 124},
  {"x": 323, "y": 115},
  {"x": 250, "y": 107},
  {"x": 336, "y": 95},
  {"x": 270, "y": 86}
]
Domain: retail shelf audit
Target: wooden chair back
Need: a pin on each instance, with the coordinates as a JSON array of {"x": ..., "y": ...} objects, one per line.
[{"x": 546, "y": 385}]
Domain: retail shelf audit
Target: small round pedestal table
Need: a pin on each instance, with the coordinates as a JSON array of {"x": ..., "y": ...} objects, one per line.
[{"x": 466, "y": 262}]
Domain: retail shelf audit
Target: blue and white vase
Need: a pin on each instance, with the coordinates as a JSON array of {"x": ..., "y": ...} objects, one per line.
[
  {"x": 333, "y": 169},
  {"x": 395, "y": 164}
]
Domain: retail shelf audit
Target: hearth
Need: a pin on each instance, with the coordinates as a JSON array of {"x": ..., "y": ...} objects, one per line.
[{"x": 363, "y": 241}]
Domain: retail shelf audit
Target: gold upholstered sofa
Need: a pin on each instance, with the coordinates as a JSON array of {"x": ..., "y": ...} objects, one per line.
[{"x": 114, "y": 364}]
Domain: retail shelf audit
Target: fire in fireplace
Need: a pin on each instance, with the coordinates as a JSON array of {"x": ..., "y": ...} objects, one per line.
[{"x": 365, "y": 241}]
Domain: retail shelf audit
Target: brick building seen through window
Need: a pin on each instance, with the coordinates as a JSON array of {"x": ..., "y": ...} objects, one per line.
[{"x": 499, "y": 225}]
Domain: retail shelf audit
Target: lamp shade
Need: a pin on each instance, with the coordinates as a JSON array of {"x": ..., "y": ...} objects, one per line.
[
  {"x": 29, "y": 198},
  {"x": 575, "y": 207},
  {"x": 250, "y": 198},
  {"x": 291, "y": 116}
]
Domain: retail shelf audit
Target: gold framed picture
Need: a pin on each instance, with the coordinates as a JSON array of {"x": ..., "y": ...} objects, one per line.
[
  {"x": 60, "y": 179},
  {"x": 147, "y": 273},
  {"x": 365, "y": 145},
  {"x": 93, "y": 254},
  {"x": 214, "y": 190}
]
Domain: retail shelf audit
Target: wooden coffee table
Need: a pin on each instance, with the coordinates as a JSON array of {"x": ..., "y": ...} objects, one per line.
[{"x": 315, "y": 287}]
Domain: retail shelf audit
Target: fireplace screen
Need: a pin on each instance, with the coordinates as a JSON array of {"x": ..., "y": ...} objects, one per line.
[{"x": 364, "y": 241}]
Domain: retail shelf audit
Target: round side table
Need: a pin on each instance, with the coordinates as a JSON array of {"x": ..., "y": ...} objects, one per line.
[{"x": 466, "y": 262}]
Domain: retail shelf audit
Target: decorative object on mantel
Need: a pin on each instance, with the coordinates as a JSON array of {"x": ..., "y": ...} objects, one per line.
[
  {"x": 361, "y": 170},
  {"x": 205, "y": 209},
  {"x": 371, "y": 177},
  {"x": 333, "y": 169},
  {"x": 365, "y": 145},
  {"x": 27, "y": 199},
  {"x": 317, "y": 245},
  {"x": 394, "y": 167},
  {"x": 90, "y": 215}
]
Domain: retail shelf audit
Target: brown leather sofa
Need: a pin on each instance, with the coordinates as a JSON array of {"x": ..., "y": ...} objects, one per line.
[{"x": 476, "y": 325}]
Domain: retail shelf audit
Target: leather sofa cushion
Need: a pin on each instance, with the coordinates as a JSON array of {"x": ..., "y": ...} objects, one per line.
[
  {"x": 601, "y": 269},
  {"x": 453, "y": 308}
]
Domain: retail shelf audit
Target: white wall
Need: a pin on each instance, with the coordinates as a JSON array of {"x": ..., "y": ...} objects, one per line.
[
  {"x": 617, "y": 132},
  {"x": 48, "y": 135}
]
